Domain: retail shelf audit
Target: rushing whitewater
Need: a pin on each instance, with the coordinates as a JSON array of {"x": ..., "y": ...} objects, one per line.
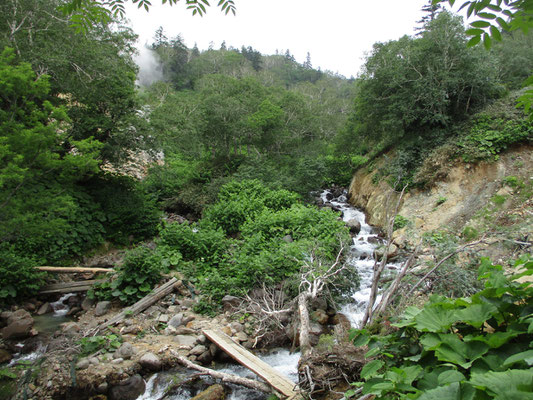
[{"x": 361, "y": 258}]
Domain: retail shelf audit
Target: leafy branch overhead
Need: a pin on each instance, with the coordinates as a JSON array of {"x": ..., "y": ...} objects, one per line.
[{"x": 86, "y": 13}]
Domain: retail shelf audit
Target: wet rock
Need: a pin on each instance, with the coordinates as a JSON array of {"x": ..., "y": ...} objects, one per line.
[
  {"x": 354, "y": 226},
  {"x": 45, "y": 309},
  {"x": 19, "y": 329},
  {"x": 341, "y": 319},
  {"x": 150, "y": 362},
  {"x": 125, "y": 351},
  {"x": 129, "y": 389},
  {"x": 103, "y": 387},
  {"x": 73, "y": 311},
  {"x": 329, "y": 196},
  {"x": 102, "y": 308},
  {"x": 5, "y": 356},
  {"x": 31, "y": 307},
  {"x": 176, "y": 320},
  {"x": 320, "y": 316},
  {"x": 87, "y": 303},
  {"x": 214, "y": 392},
  {"x": 83, "y": 363}
]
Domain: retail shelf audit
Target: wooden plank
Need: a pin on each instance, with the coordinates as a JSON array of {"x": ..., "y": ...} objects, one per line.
[
  {"x": 69, "y": 287},
  {"x": 142, "y": 304},
  {"x": 274, "y": 378},
  {"x": 72, "y": 270}
]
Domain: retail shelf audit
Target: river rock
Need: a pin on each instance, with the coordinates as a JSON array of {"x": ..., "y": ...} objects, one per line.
[
  {"x": 45, "y": 309},
  {"x": 176, "y": 320},
  {"x": 87, "y": 303},
  {"x": 354, "y": 226},
  {"x": 83, "y": 363},
  {"x": 186, "y": 340},
  {"x": 392, "y": 254},
  {"x": 241, "y": 336},
  {"x": 19, "y": 329},
  {"x": 102, "y": 308},
  {"x": 150, "y": 362},
  {"x": 18, "y": 315},
  {"x": 125, "y": 351},
  {"x": 129, "y": 389},
  {"x": 198, "y": 349},
  {"x": 5, "y": 356},
  {"x": 70, "y": 328},
  {"x": 187, "y": 303},
  {"x": 214, "y": 392},
  {"x": 230, "y": 302},
  {"x": 205, "y": 358},
  {"x": 236, "y": 326}
]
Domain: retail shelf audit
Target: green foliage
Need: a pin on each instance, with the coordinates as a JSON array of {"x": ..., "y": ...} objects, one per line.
[
  {"x": 18, "y": 277},
  {"x": 130, "y": 213},
  {"x": 514, "y": 182},
  {"x": 136, "y": 277},
  {"x": 441, "y": 200},
  {"x": 470, "y": 233},
  {"x": 400, "y": 222},
  {"x": 92, "y": 344},
  {"x": 273, "y": 236},
  {"x": 475, "y": 347},
  {"x": 238, "y": 201},
  {"x": 489, "y": 136}
]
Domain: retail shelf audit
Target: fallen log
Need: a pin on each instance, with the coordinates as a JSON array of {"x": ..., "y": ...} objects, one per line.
[
  {"x": 142, "y": 304},
  {"x": 69, "y": 287},
  {"x": 73, "y": 270},
  {"x": 249, "y": 383}
]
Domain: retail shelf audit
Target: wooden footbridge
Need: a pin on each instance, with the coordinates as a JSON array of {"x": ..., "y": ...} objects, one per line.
[{"x": 278, "y": 381}]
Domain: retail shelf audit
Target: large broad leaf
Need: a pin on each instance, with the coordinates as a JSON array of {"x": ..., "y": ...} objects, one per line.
[
  {"x": 370, "y": 369},
  {"x": 494, "y": 340},
  {"x": 434, "y": 319},
  {"x": 407, "y": 318},
  {"x": 514, "y": 384},
  {"x": 450, "y": 376},
  {"x": 450, "y": 392},
  {"x": 525, "y": 356},
  {"x": 476, "y": 314}
]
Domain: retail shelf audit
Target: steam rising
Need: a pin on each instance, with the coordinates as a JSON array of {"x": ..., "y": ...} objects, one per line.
[{"x": 149, "y": 66}]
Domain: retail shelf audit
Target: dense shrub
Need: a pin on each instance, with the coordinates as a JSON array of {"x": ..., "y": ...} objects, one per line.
[
  {"x": 18, "y": 277},
  {"x": 130, "y": 213},
  {"x": 136, "y": 277},
  {"x": 490, "y": 136},
  {"x": 239, "y": 200}
]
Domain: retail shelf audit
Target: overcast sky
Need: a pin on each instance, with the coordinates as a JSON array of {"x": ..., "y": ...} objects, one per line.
[{"x": 337, "y": 33}]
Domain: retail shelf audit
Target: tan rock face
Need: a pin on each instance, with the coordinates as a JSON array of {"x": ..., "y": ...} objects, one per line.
[{"x": 450, "y": 203}]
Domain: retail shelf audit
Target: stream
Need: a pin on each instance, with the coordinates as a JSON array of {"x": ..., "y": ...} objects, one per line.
[{"x": 360, "y": 258}]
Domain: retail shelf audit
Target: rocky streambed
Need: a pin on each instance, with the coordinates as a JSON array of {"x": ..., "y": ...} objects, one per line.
[{"x": 68, "y": 359}]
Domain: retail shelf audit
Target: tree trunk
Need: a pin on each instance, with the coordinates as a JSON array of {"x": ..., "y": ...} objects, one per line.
[{"x": 305, "y": 343}]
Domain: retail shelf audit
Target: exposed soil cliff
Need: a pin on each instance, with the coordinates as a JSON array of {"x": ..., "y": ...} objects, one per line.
[{"x": 490, "y": 198}]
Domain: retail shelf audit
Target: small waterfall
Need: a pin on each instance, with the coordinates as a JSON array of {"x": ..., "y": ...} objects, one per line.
[
  {"x": 60, "y": 308},
  {"x": 361, "y": 257}
]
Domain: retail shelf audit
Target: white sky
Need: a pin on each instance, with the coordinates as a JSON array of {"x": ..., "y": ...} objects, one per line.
[{"x": 337, "y": 33}]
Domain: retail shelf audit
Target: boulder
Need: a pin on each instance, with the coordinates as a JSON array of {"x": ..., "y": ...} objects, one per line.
[
  {"x": 18, "y": 315},
  {"x": 241, "y": 336},
  {"x": 198, "y": 350},
  {"x": 150, "y": 362},
  {"x": 214, "y": 392},
  {"x": 129, "y": 389},
  {"x": 354, "y": 226},
  {"x": 102, "y": 308},
  {"x": 176, "y": 320},
  {"x": 186, "y": 340},
  {"x": 205, "y": 358},
  {"x": 125, "y": 351},
  {"x": 70, "y": 328},
  {"x": 87, "y": 303},
  {"x": 19, "y": 329},
  {"x": 46, "y": 308},
  {"x": 236, "y": 326},
  {"x": 83, "y": 363},
  {"x": 230, "y": 302}
]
